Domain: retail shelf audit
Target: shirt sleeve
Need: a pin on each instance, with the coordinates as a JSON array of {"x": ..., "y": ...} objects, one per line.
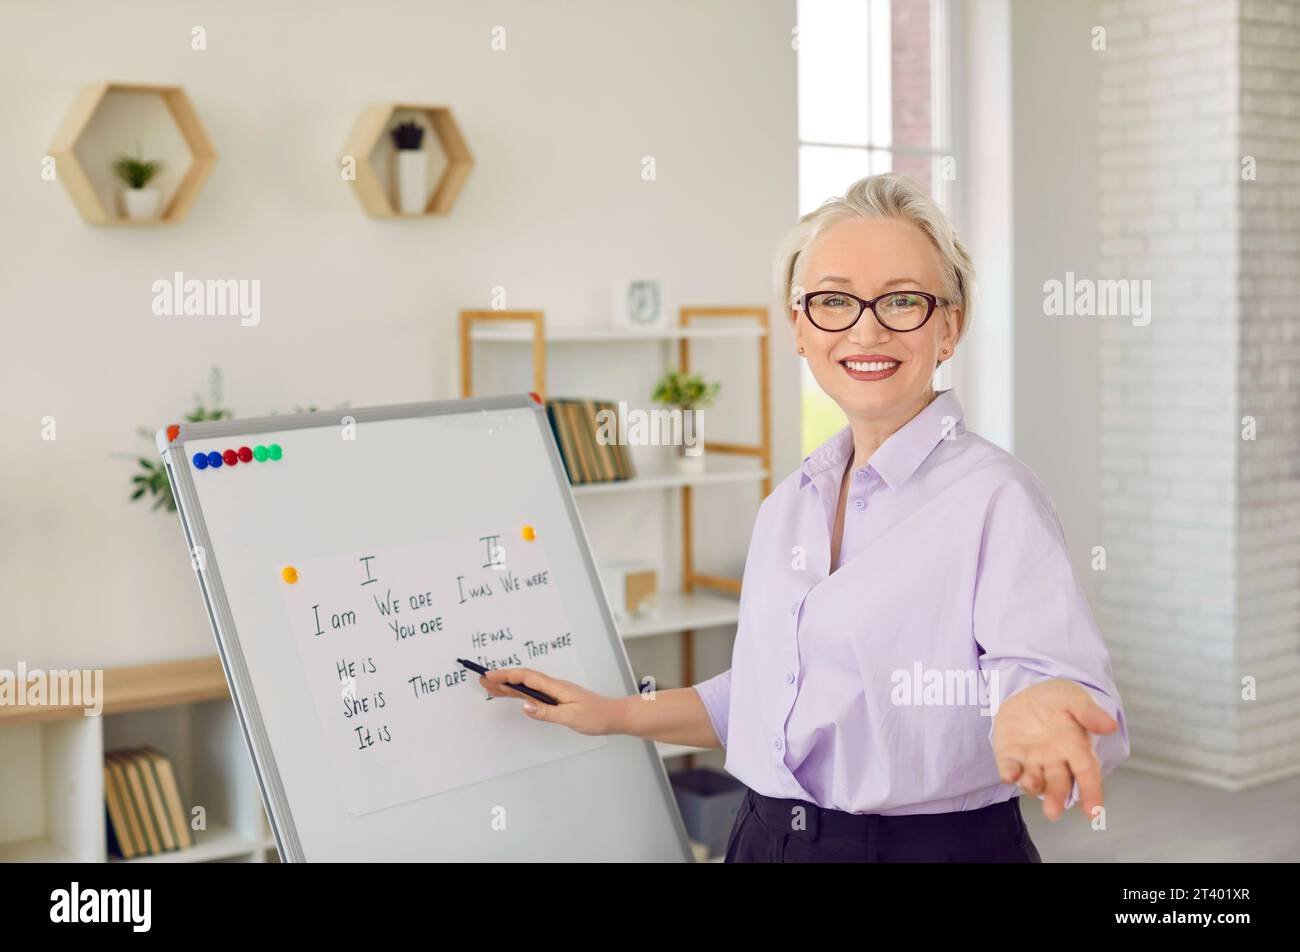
[
  {"x": 716, "y": 695},
  {"x": 1031, "y": 619}
]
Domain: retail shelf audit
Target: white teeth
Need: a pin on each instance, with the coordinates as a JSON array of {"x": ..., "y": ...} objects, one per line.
[{"x": 870, "y": 366}]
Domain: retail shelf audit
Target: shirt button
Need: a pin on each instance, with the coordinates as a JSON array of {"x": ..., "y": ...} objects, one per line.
[
  {"x": 776, "y": 744},
  {"x": 794, "y": 608},
  {"x": 859, "y": 504},
  {"x": 789, "y": 677}
]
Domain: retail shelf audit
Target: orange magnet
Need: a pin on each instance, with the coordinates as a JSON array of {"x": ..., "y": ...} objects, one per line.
[
  {"x": 290, "y": 574},
  {"x": 173, "y": 431},
  {"x": 529, "y": 533}
]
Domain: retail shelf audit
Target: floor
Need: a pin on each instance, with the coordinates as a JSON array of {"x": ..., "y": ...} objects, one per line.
[{"x": 1156, "y": 819}]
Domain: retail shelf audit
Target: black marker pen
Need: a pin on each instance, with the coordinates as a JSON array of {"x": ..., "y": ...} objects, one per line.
[{"x": 521, "y": 688}]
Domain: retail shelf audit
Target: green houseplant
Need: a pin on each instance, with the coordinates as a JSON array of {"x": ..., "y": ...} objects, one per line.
[
  {"x": 151, "y": 483},
  {"x": 139, "y": 201},
  {"x": 688, "y": 393}
]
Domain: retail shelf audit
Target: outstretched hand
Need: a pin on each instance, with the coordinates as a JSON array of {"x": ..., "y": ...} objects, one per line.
[{"x": 1040, "y": 741}]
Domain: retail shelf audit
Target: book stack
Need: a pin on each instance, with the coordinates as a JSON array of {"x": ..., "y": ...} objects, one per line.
[
  {"x": 145, "y": 812},
  {"x": 588, "y": 459}
]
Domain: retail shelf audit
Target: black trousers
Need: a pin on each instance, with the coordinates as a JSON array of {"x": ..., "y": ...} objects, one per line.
[{"x": 795, "y": 831}]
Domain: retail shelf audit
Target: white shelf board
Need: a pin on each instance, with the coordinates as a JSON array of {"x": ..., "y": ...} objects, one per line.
[
  {"x": 513, "y": 333},
  {"x": 216, "y": 843},
  {"x": 682, "y": 611},
  {"x": 667, "y": 474},
  {"x": 37, "y": 850}
]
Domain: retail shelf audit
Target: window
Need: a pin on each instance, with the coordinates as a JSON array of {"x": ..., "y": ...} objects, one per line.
[{"x": 873, "y": 97}]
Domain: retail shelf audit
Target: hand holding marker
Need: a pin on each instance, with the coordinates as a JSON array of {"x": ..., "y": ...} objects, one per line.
[{"x": 521, "y": 688}]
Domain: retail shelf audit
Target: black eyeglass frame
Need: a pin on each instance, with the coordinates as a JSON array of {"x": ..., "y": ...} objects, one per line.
[{"x": 934, "y": 302}]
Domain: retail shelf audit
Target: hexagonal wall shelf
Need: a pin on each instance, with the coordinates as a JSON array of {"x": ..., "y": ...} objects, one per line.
[
  {"x": 87, "y": 187},
  {"x": 368, "y": 135}
]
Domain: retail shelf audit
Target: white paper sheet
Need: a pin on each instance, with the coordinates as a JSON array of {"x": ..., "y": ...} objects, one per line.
[{"x": 378, "y": 633}]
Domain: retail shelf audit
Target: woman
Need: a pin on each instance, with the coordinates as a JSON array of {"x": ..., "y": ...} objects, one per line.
[{"x": 914, "y": 649}]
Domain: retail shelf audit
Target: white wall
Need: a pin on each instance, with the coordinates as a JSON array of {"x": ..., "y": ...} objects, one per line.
[
  {"x": 1026, "y": 104},
  {"x": 353, "y": 309},
  {"x": 1200, "y": 596},
  {"x": 1055, "y": 157},
  {"x": 1170, "y": 400},
  {"x": 1268, "y": 467},
  {"x": 983, "y": 368}
]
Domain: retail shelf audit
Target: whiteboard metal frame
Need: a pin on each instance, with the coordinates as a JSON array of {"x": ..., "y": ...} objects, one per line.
[{"x": 221, "y": 619}]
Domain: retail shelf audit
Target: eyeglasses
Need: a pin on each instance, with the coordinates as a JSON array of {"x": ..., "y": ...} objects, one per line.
[{"x": 899, "y": 311}]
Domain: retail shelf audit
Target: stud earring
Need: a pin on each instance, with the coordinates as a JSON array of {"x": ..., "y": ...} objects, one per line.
[{"x": 801, "y": 350}]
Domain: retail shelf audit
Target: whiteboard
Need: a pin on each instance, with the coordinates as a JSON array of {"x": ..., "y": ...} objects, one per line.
[{"x": 345, "y": 566}]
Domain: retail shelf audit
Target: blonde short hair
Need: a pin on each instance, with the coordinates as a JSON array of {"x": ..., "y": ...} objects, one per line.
[{"x": 890, "y": 195}]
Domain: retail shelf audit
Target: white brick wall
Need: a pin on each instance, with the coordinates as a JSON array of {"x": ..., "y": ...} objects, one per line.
[
  {"x": 1202, "y": 528},
  {"x": 1268, "y": 471}
]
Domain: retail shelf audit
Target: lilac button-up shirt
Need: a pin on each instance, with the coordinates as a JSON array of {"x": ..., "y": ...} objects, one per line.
[{"x": 871, "y": 689}]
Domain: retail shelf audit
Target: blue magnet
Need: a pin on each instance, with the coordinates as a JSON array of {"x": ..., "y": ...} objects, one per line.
[
  {"x": 214, "y": 459},
  {"x": 200, "y": 461}
]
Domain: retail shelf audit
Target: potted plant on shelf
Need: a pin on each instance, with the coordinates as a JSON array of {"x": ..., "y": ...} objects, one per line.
[
  {"x": 412, "y": 168},
  {"x": 139, "y": 202},
  {"x": 689, "y": 394}
]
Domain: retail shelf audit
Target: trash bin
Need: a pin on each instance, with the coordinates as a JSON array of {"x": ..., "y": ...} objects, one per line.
[{"x": 709, "y": 801}]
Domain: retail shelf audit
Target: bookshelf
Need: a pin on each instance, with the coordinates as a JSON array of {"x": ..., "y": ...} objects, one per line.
[
  {"x": 703, "y": 600},
  {"x": 53, "y": 779}
]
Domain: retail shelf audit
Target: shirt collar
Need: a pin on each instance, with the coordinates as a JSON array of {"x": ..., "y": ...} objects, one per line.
[{"x": 902, "y": 454}]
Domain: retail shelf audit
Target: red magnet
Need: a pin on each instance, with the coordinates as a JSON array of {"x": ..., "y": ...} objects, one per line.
[
  {"x": 230, "y": 457},
  {"x": 245, "y": 454},
  {"x": 173, "y": 431},
  {"x": 534, "y": 395}
]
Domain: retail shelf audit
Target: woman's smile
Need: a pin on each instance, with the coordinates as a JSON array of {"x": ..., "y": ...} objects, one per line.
[{"x": 870, "y": 366}]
